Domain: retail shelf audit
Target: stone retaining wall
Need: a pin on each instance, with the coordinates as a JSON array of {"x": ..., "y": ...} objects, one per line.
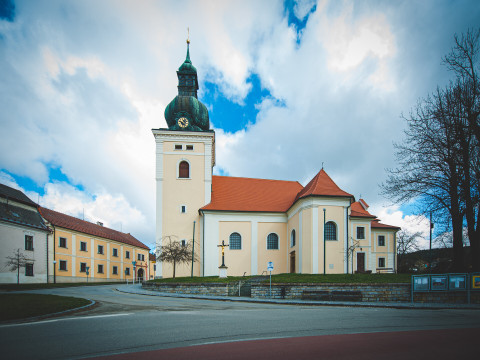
[
  {"x": 213, "y": 289},
  {"x": 331, "y": 292},
  {"x": 368, "y": 292}
]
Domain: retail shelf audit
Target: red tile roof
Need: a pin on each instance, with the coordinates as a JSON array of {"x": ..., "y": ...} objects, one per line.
[
  {"x": 72, "y": 223},
  {"x": 152, "y": 257},
  {"x": 363, "y": 203},
  {"x": 247, "y": 194},
  {"x": 377, "y": 224},
  {"x": 322, "y": 185},
  {"x": 357, "y": 210}
]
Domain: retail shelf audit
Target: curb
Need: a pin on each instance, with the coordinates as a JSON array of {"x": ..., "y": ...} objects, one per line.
[
  {"x": 415, "y": 306},
  {"x": 45, "y": 316}
]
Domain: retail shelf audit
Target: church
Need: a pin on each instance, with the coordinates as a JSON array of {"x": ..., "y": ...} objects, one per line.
[{"x": 316, "y": 229}]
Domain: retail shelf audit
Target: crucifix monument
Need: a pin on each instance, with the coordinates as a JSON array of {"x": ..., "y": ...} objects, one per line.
[{"x": 223, "y": 268}]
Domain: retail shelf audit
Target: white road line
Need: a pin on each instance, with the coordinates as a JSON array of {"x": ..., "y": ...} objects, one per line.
[{"x": 63, "y": 319}]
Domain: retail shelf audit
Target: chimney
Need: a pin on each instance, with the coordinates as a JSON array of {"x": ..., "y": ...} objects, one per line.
[{"x": 99, "y": 223}]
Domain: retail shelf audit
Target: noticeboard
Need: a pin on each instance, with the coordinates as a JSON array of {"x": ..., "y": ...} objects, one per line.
[
  {"x": 421, "y": 283},
  {"x": 476, "y": 282},
  {"x": 457, "y": 282},
  {"x": 439, "y": 282}
]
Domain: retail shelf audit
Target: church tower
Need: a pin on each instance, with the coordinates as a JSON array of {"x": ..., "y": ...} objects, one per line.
[{"x": 185, "y": 156}]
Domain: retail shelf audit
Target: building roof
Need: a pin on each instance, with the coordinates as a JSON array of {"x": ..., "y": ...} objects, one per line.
[
  {"x": 377, "y": 224},
  {"x": 152, "y": 257},
  {"x": 73, "y": 223},
  {"x": 11, "y": 213},
  {"x": 14, "y": 194},
  {"x": 357, "y": 210},
  {"x": 322, "y": 185},
  {"x": 247, "y": 194}
]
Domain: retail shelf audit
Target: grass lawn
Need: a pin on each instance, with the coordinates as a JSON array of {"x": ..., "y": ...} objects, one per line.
[
  {"x": 21, "y": 306},
  {"x": 300, "y": 278},
  {"x": 18, "y": 287}
]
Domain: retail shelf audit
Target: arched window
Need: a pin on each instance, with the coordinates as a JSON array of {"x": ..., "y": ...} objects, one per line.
[
  {"x": 235, "y": 241},
  {"x": 272, "y": 241},
  {"x": 292, "y": 238},
  {"x": 330, "y": 231},
  {"x": 184, "y": 170}
]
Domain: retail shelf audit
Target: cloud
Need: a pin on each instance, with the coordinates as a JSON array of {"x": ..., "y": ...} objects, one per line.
[{"x": 83, "y": 83}]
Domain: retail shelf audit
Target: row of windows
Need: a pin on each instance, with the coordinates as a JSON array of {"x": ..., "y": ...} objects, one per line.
[
  {"x": 180, "y": 147},
  {"x": 235, "y": 241},
  {"x": 84, "y": 268},
  {"x": 272, "y": 239},
  {"x": 62, "y": 242}
]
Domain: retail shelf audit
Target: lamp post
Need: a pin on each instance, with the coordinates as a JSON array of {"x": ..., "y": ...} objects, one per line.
[
  {"x": 54, "y": 271},
  {"x": 324, "y": 247},
  {"x": 431, "y": 228},
  {"x": 87, "y": 268},
  {"x": 134, "y": 263}
]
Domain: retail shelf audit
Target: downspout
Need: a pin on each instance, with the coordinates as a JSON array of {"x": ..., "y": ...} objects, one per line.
[
  {"x": 346, "y": 217},
  {"x": 203, "y": 242},
  {"x": 324, "y": 247},
  {"x": 54, "y": 260},
  {"x": 394, "y": 251}
]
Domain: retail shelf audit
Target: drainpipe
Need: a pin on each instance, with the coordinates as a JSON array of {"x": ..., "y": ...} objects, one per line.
[
  {"x": 203, "y": 243},
  {"x": 324, "y": 247},
  {"x": 193, "y": 247},
  {"x": 54, "y": 260},
  {"x": 346, "y": 217}
]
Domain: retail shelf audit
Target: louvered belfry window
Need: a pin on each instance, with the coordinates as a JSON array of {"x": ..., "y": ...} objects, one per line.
[{"x": 184, "y": 170}]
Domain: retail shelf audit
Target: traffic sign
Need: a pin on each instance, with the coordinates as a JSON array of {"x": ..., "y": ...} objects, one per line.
[{"x": 270, "y": 266}]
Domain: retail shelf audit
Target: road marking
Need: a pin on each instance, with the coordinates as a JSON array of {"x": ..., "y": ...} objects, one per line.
[{"x": 63, "y": 319}]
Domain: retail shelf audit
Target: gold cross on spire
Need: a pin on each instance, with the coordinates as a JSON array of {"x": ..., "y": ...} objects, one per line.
[{"x": 188, "y": 35}]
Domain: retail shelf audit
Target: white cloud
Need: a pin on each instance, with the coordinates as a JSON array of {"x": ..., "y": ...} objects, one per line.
[{"x": 83, "y": 83}]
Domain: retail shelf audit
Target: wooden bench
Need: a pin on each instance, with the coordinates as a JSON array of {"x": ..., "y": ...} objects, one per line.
[{"x": 385, "y": 270}]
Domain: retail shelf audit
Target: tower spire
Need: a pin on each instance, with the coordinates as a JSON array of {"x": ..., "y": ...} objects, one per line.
[{"x": 188, "y": 46}]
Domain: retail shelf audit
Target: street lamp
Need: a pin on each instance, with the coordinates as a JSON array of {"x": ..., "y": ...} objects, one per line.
[
  {"x": 87, "y": 268},
  {"x": 54, "y": 271},
  {"x": 134, "y": 263}
]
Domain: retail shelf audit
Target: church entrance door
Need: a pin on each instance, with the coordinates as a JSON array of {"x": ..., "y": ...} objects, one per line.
[{"x": 292, "y": 262}]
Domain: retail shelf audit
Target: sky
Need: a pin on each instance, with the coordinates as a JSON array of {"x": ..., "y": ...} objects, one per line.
[{"x": 289, "y": 85}]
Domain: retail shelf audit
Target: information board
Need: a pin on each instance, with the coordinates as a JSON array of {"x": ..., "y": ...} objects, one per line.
[
  {"x": 475, "y": 281},
  {"x": 457, "y": 282},
  {"x": 439, "y": 282},
  {"x": 421, "y": 283}
]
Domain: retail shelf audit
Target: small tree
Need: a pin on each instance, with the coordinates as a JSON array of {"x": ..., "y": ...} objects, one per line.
[
  {"x": 17, "y": 261},
  {"x": 175, "y": 252},
  {"x": 351, "y": 251}
]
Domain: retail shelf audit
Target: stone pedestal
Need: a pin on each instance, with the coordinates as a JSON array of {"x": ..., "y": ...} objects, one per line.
[{"x": 222, "y": 271}]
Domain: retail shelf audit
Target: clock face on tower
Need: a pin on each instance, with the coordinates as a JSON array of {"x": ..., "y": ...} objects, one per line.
[{"x": 182, "y": 122}]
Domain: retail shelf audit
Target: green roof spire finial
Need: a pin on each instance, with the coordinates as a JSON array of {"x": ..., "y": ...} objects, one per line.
[{"x": 188, "y": 46}]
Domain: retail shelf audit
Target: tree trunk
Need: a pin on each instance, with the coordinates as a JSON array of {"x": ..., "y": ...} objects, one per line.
[{"x": 174, "y": 263}]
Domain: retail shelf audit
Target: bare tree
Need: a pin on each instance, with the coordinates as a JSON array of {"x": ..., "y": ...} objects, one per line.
[
  {"x": 439, "y": 160},
  {"x": 355, "y": 244},
  {"x": 407, "y": 242},
  {"x": 175, "y": 252},
  {"x": 464, "y": 61},
  {"x": 17, "y": 261}
]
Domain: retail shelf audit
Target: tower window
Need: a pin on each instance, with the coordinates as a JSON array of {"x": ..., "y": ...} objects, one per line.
[
  {"x": 184, "y": 209},
  {"x": 178, "y": 147},
  {"x": 189, "y": 147},
  {"x": 292, "y": 238},
  {"x": 184, "y": 170}
]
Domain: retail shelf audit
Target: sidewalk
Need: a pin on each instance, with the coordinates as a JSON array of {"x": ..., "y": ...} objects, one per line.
[{"x": 137, "y": 289}]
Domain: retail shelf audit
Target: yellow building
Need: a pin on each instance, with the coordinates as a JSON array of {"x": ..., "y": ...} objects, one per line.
[
  {"x": 80, "y": 249},
  {"x": 315, "y": 229}
]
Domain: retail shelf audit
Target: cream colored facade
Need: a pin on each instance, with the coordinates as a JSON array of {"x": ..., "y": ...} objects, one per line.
[
  {"x": 106, "y": 259},
  {"x": 306, "y": 217}
]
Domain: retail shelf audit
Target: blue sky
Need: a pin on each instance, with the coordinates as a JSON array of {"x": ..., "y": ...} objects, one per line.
[{"x": 289, "y": 85}]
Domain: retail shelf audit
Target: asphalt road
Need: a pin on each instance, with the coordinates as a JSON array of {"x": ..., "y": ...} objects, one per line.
[{"x": 124, "y": 323}]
